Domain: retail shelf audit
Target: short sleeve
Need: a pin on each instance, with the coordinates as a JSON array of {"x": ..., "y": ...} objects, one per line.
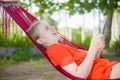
[{"x": 59, "y": 55}]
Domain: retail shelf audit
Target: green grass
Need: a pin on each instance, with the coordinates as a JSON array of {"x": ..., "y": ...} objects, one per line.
[
  {"x": 111, "y": 57},
  {"x": 37, "y": 63}
]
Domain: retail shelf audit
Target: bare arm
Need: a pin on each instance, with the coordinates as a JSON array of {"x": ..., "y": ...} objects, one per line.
[{"x": 83, "y": 70}]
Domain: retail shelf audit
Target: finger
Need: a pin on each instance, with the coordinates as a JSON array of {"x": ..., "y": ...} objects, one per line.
[
  {"x": 102, "y": 42},
  {"x": 101, "y": 45},
  {"x": 99, "y": 41},
  {"x": 101, "y": 49},
  {"x": 102, "y": 37}
]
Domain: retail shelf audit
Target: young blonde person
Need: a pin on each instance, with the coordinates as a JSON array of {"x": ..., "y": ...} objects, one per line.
[{"x": 80, "y": 63}]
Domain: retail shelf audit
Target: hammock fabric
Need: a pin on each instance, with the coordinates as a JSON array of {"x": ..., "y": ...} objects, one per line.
[{"x": 24, "y": 19}]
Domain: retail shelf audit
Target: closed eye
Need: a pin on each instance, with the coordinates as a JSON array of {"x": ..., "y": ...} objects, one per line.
[{"x": 47, "y": 27}]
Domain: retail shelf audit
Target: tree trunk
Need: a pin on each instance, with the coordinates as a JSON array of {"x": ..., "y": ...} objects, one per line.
[{"x": 107, "y": 28}]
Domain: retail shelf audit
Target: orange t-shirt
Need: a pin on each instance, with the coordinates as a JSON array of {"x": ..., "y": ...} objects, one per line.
[{"x": 63, "y": 55}]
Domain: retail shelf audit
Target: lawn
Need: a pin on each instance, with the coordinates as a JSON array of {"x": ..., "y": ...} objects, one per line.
[
  {"x": 30, "y": 70},
  {"x": 38, "y": 69}
]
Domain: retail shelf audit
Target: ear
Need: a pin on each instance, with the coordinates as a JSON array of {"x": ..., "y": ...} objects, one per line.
[{"x": 40, "y": 41}]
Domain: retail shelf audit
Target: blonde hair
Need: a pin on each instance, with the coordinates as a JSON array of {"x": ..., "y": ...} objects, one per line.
[{"x": 33, "y": 30}]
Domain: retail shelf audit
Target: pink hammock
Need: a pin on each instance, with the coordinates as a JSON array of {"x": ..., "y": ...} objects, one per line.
[{"x": 24, "y": 19}]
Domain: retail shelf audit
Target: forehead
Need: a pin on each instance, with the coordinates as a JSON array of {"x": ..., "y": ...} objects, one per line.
[{"x": 43, "y": 23}]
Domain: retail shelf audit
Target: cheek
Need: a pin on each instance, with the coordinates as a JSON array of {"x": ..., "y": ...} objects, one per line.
[{"x": 46, "y": 37}]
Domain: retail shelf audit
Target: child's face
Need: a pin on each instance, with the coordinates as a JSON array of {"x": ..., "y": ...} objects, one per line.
[{"x": 48, "y": 34}]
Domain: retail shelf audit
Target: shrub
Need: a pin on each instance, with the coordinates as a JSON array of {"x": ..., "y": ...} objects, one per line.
[
  {"x": 15, "y": 40},
  {"x": 21, "y": 55},
  {"x": 116, "y": 44},
  {"x": 76, "y": 37}
]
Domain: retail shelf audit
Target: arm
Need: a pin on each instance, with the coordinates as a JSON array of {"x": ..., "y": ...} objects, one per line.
[{"x": 83, "y": 70}]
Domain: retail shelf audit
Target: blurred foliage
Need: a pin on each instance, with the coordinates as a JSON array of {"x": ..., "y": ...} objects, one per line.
[
  {"x": 49, "y": 20},
  {"x": 87, "y": 40},
  {"x": 76, "y": 6},
  {"x": 15, "y": 40},
  {"x": 116, "y": 44},
  {"x": 76, "y": 37},
  {"x": 19, "y": 56},
  {"x": 73, "y": 6}
]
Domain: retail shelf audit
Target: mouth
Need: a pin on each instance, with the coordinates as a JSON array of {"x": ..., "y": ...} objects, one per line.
[{"x": 55, "y": 33}]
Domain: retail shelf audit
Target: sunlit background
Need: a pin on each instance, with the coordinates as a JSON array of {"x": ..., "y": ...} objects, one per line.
[{"x": 92, "y": 21}]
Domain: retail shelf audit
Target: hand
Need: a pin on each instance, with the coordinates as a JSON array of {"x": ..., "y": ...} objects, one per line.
[
  {"x": 97, "y": 44},
  {"x": 99, "y": 52}
]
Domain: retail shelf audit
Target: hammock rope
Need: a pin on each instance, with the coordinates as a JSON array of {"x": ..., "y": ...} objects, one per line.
[
  {"x": 9, "y": 4},
  {"x": 5, "y": 24}
]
